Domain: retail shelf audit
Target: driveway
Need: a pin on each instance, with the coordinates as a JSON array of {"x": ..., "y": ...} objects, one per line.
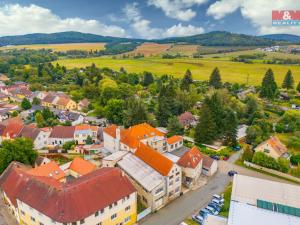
[{"x": 186, "y": 205}]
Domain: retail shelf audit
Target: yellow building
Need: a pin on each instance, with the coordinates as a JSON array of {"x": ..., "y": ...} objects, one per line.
[
  {"x": 273, "y": 147},
  {"x": 102, "y": 197}
]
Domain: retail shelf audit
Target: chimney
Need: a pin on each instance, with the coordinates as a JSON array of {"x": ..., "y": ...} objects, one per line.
[{"x": 118, "y": 133}]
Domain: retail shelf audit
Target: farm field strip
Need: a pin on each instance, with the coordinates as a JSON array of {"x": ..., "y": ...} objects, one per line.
[
  {"x": 60, "y": 47},
  {"x": 200, "y": 68}
]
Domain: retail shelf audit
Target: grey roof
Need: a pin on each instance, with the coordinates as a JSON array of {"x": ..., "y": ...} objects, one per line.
[{"x": 141, "y": 172}]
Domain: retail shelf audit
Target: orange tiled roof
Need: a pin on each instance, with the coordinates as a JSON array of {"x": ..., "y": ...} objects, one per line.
[
  {"x": 50, "y": 169},
  {"x": 82, "y": 127},
  {"x": 191, "y": 158},
  {"x": 111, "y": 130},
  {"x": 174, "y": 139},
  {"x": 82, "y": 166},
  {"x": 156, "y": 160},
  {"x": 277, "y": 145}
]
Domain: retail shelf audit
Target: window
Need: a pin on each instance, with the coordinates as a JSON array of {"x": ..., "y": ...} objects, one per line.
[
  {"x": 171, "y": 183},
  {"x": 96, "y": 214},
  {"x": 127, "y": 208},
  {"x": 82, "y": 221},
  {"x": 74, "y": 223},
  {"x": 41, "y": 224},
  {"x": 22, "y": 212},
  {"x": 115, "y": 203},
  {"x": 266, "y": 150},
  {"x": 177, "y": 189},
  {"x": 171, "y": 177},
  {"x": 32, "y": 218},
  {"x": 159, "y": 190},
  {"x": 177, "y": 173},
  {"x": 177, "y": 179},
  {"x": 113, "y": 216},
  {"x": 110, "y": 206},
  {"x": 99, "y": 223},
  {"x": 127, "y": 219},
  {"x": 102, "y": 211}
]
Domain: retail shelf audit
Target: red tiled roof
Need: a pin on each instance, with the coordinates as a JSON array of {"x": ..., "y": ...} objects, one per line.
[
  {"x": 62, "y": 132},
  {"x": 29, "y": 131},
  {"x": 191, "y": 158},
  {"x": 49, "y": 98},
  {"x": 66, "y": 203},
  {"x": 50, "y": 169},
  {"x": 13, "y": 129},
  {"x": 174, "y": 139},
  {"x": 156, "y": 160},
  {"x": 82, "y": 166}
]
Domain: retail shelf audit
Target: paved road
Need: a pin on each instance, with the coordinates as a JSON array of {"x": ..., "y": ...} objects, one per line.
[{"x": 186, "y": 205}]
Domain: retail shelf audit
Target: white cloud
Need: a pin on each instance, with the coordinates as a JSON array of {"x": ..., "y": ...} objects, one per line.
[
  {"x": 177, "y": 9},
  {"x": 179, "y": 30},
  {"x": 16, "y": 19},
  {"x": 258, "y": 12},
  {"x": 143, "y": 26}
]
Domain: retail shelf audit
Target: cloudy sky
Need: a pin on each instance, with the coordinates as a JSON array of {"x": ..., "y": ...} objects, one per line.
[{"x": 142, "y": 18}]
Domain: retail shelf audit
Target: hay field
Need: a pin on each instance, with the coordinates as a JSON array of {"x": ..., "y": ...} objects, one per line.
[
  {"x": 200, "y": 68},
  {"x": 60, "y": 47},
  {"x": 183, "y": 49}
]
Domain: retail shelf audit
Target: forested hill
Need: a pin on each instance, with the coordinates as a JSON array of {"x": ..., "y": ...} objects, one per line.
[
  {"x": 283, "y": 37},
  {"x": 56, "y": 38},
  {"x": 221, "y": 38},
  {"x": 216, "y": 38}
]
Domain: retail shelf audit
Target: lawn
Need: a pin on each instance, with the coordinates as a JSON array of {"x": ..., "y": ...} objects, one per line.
[
  {"x": 61, "y": 47},
  {"x": 200, "y": 68},
  {"x": 227, "y": 196}
]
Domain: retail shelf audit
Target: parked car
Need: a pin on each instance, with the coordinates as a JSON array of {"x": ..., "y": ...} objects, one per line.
[
  {"x": 217, "y": 202},
  {"x": 236, "y": 148},
  {"x": 231, "y": 173},
  {"x": 211, "y": 210},
  {"x": 225, "y": 158},
  {"x": 219, "y": 198},
  {"x": 215, "y": 206},
  {"x": 197, "y": 218},
  {"x": 215, "y": 157},
  {"x": 203, "y": 213}
]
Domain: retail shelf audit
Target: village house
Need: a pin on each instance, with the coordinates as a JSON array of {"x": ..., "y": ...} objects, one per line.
[
  {"x": 169, "y": 170},
  {"x": 48, "y": 100},
  {"x": 149, "y": 183},
  {"x": 209, "y": 166},
  {"x": 61, "y": 134},
  {"x": 79, "y": 167},
  {"x": 116, "y": 138},
  {"x": 88, "y": 149},
  {"x": 39, "y": 136},
  {"x": 50, "y": 170},
  {"x": 64, "y": 103},
  {"x": 4, "y": 97},
  {"x": 273, "y": 147},
  {"x": 191, "y": 165},
  {"x": 83, "y": 131},
  {"x": 11, "y": 128},
  {"x": 104, "y": 196},
  {"x": 65, "y": 116},
  {"x": 174, "y": 142}
]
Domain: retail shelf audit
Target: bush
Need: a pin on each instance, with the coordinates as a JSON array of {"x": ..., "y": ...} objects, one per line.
[
  {"x": 296, "y": 172},
  {"x": 248, "y": 154},
  {"x": 68, "y": 145},
  {"x": 262, "y": 159},
  {"x": 284, "y": 165},
  {"x": 295, "y": 159}
]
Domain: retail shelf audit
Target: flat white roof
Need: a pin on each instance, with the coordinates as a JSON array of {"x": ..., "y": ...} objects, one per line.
[
  {"x": 141, "y": 172},
  {"x": 172, "y": 157},
  {"x": 115, "y": 156},
  {"x": 245, "y": 214},
  {"x": 249, "y": 189},
  {"x": 215, "y": 220},
  {"x": 242, "y": 131}
]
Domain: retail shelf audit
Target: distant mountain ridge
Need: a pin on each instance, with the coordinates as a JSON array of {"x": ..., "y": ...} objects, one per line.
[
  {"x": 282, "y": 37},
  {"x": 215, "y": 38}
]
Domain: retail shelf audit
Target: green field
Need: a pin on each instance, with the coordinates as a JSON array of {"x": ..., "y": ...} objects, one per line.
[{"x": 200, "y": 68}]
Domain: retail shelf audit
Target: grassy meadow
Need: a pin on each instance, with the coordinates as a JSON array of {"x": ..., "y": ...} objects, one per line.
[
  {"x": 60, "y": 47},
  {"x": 200, "y": 68}
]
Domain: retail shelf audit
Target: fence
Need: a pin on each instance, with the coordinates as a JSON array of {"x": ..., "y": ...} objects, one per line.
[
  {"x": 141, "y": 215},
  {"x": 275, "y": 172}
]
